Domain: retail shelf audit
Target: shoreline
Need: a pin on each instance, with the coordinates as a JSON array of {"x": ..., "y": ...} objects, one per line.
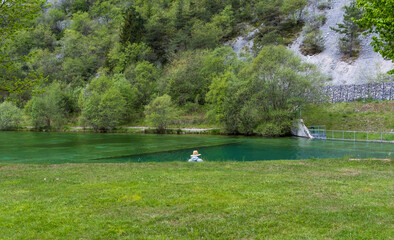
[{"x": 129, "y": 129}]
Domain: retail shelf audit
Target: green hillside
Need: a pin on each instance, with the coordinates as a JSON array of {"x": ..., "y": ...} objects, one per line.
[{"x": 355, "y": 116}]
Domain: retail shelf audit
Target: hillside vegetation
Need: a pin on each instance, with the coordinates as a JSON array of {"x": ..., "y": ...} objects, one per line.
[{"x": 103, "y": 64}]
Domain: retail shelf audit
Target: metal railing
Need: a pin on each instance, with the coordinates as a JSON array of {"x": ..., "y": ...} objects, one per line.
[
  {"x": 360, "y": 136},
  {"x": 320, "y": 132}
]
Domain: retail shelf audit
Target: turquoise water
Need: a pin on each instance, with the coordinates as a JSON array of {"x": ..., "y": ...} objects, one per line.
[{"x": 33, "y": 147}]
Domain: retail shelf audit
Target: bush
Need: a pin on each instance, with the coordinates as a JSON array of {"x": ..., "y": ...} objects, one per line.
[
  {"x": 111, "y": 108},
  {"x": 313, "y": 41},
  {"x": 102, "y": 103},
  {"x": 50, "y": 109},
  {"x": 10, "y": 116},
  {"x": 324, "y": 5},
  {"x": 160, "y": 112}
]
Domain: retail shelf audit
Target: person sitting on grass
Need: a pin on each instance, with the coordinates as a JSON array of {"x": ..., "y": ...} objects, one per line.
[{"x": 195, "y": 157}]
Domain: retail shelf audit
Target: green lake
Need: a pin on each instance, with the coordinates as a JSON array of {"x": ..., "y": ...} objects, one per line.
[{"x": 40, "y": 147}]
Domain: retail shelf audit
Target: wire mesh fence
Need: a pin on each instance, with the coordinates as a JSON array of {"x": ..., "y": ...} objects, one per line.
[{"x": 320, "y": 132}]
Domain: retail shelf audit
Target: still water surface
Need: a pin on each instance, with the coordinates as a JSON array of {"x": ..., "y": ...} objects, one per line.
[{"x": 33, "y": 147}]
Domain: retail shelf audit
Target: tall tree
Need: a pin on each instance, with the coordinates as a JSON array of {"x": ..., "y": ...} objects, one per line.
[
  {"x": 350, "y": 29},
  {"x": 379, "y": 18},
  {"x": 263, "y": 96},
  {"x": 133, "y": 27}
]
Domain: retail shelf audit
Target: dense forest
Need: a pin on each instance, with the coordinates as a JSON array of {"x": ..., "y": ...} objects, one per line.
[{"x": 107, "y": 63}]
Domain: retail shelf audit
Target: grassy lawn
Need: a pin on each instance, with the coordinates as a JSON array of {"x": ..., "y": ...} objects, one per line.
[
  {"x": 353, "y": 116},
  {"x": 310, "y": 199}
]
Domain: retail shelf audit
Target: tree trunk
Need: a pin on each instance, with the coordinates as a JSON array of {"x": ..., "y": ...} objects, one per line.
[
  {"x": 351, "y": 44},
  {"x": 300, "y": 15}
]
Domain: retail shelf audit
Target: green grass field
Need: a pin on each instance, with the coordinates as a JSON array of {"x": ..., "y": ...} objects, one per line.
[
  {"x": 353, "y": 116},
  {"x": 309, "y": 199}
]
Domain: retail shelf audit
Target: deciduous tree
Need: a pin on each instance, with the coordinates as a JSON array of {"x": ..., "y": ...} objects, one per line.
[
  {"x": 48, "y": 110},
  {"x": 160, "y": 112},
  {"x": 379, "y": 18},
  {"x": 267, "y": 92},
  {"x": 10, "y": 116},
  {"x": 102, "y": 103}
]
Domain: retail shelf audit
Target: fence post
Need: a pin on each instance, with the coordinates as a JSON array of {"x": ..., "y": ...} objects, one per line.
[
  {"x": 343, "y": 135},
  {"x": 381, "y": 137},
  {"x": 354, "y": 136}
]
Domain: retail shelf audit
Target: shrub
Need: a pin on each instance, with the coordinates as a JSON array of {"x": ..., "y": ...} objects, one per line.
[
  {"x": 313, "y": 41},
  {"x": 324, "y": 5},
  {"x": 49, "y": 109},
  {"x": 10, "y": 116}
]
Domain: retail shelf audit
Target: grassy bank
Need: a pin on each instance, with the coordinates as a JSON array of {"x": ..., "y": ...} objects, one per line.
[
  {"x": 354, "y": 116},
  {"x": 311, "y": 199}
]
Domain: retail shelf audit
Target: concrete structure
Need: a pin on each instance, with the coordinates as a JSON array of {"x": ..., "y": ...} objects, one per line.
[{"x": 299, "y": 129}]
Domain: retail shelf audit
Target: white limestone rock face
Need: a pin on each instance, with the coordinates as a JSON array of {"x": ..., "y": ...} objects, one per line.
[
  {"x": 244, "y": 43},
  {"x": 364, "y": 69}
]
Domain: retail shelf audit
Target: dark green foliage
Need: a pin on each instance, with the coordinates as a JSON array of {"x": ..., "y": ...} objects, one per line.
[
  {"x": 159, "y": 37},
  {"x": 17, "y": 15},
  {"x": 350, "y": 42},
  {"x": 133, "y": 27}
]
